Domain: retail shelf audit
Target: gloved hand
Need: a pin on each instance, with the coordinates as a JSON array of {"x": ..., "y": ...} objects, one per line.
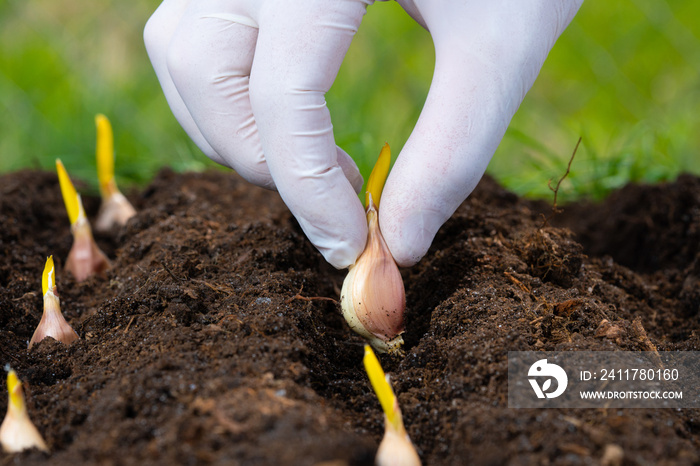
[
  {"x": 487, "y": 56},
  {"x": 246, "y": 78}
]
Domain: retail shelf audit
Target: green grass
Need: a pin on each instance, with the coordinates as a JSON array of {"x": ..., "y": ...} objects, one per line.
[{"x": 624, "y": 76}]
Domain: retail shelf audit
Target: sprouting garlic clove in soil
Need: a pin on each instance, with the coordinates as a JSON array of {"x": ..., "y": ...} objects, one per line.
[
  {"x": 373, "y": 298},
  {"x": 52, "y": 323},
  {"x": 115, "y": 209},
  {"x": 395, "y": 448},
  {"x": 17, "y": 433},
  {"x": 85, "y": 257},
  {"x": 114, "y": 212}
]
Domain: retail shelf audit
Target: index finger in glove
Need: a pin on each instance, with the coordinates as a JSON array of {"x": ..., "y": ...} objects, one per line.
[
  {"x": 299, "y": 51},
  {"x": 488, "y": 55}
]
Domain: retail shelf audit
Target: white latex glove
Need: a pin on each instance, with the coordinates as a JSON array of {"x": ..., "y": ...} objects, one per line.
[
  {"x": 246, "y": 78},
  {"x": 487, "y": 56}
]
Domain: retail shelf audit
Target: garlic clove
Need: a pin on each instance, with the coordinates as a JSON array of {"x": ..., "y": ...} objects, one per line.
[
  {"x": 52, "y": 323},
  {"x": 17, "y": 433},
  {"x": 373, "y": 298},
  {"x": 115, "y": 210},
  {"x": 396, "y": 449},
  {"x": 85, "y": 257}
]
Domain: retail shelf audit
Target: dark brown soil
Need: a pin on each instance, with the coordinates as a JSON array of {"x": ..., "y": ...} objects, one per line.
[{"x": 200, "y": 347}]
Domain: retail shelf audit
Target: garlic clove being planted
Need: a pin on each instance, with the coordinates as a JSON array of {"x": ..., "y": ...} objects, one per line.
[
  {"x": 115, "y": 209},
  {"x": 17, "y": 433},
  {"x": 85, "y": 257},
  {"x": 395, "y": 448},
  {"x": 373, "y": 298},
  {"x": 52, "y": 323}
]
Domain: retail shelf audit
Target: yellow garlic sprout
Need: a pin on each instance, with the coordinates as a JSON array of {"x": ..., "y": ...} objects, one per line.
[
  {"x": 85, "y": 257},
  {"x": 52, "y": 323},
  {"x": 395, "y": 448},
  {"x": 17, "y": 433},
  {"x": 115, "y": 209},
  {"x": 373, "y": 298}
]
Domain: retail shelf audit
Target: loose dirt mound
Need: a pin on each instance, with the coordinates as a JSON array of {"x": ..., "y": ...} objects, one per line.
[{"x": 201, "y": 345}]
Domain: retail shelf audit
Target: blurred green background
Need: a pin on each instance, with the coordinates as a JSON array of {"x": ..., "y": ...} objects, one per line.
[{"x": 624, "y": 76}]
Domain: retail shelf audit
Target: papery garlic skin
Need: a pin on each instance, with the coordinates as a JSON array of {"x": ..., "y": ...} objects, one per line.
[
  {"x": 373, "y": 298},
  {"x": 396, "y": 449},
  {"x": 85, "y": 257},
  {"x": 17, "y": 433},
  {"x": 114, "y": 212},
  {"x": 52, "y": 323}
]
